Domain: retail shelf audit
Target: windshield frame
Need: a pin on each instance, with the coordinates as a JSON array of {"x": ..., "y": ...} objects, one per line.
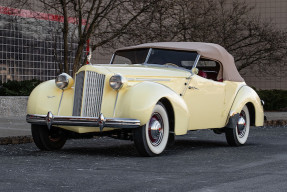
[{"x": 165, "y": 66}]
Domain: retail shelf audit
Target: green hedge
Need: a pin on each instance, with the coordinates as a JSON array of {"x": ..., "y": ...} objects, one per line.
[
  {"x": 275, "y": 100},
  {"x": 18, "y": 88}
]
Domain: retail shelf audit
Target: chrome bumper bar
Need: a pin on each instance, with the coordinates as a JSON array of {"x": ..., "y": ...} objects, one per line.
[{"x": 100, "y": 121}]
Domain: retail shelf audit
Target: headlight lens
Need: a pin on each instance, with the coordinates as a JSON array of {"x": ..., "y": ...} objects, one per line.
[
  {"x": 62, "y": 81},
  {"x": 117, "y": 81}
]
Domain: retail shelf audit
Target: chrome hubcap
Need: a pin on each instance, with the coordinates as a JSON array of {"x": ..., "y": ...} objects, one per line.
[
  {"x": 155, "y": 129},
  {"x": 241, "y": 125}
]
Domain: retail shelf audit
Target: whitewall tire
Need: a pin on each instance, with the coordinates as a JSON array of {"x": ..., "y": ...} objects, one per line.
[
  {"x": 151, "y": 139},
  {"x": 239, "y": 135}
]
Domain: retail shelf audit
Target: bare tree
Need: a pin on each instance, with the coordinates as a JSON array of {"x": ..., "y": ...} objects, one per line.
[
  {"x": 99, "y": 21},
  {"x": 251, "y": 41}
]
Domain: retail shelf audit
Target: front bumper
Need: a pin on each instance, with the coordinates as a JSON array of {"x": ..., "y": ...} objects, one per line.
[{"x": 100, "y": 121}]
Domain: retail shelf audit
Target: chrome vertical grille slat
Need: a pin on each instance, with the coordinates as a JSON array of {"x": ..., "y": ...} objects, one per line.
[
  {"x": 93, "y": 92},
  {"x": 77, "y": 107}
]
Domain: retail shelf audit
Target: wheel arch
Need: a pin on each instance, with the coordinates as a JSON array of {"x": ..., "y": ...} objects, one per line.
[
  {"x": 170, "y": 112},
  {"x": 247, "y": 96},
  {"x": 251, "y": 110}
]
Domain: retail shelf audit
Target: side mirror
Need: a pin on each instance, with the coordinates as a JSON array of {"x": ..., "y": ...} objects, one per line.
[{"x": 194, "y": 70}]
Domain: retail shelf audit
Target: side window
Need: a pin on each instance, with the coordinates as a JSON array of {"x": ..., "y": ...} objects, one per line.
[{"x": 209, "y": 69}]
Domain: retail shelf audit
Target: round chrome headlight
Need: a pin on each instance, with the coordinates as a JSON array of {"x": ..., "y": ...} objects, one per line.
[
  {"x": 117, "y": 81},
  {"x": 63, "y": 80}
]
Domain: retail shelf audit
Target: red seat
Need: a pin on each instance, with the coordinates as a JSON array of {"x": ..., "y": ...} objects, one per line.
[{"x": 202, "y": 74}]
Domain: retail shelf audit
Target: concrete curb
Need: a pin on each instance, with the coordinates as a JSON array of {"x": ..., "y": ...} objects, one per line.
[
  {"x": 275, "y": 123},
  {"x": 16, "y": 140}
]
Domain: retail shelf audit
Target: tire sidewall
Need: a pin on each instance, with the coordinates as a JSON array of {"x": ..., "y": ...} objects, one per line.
[
  {"x": 243, "y": 140},
  {"x": 41, "y": 136},
  {"x": 160, "y": 109}
]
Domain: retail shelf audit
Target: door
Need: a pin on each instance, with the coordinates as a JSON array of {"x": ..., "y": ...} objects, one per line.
[{"x": 205, "y": 97}]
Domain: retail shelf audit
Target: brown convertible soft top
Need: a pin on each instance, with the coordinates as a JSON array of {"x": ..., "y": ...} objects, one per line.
[{"x": 206, "y": 50}]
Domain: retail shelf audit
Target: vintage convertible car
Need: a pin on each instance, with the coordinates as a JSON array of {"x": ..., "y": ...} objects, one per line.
[{"x": 148, "y": 93}]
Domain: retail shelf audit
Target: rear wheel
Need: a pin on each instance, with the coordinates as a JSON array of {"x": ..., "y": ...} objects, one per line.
[
  {"x": 151, "y": 139},
  {"x": 239, "y": 135},
  {"x": 46, "y": 139}
]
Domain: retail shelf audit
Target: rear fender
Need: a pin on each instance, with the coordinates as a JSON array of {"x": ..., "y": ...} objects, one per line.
[{"x": 247, "y": 95}]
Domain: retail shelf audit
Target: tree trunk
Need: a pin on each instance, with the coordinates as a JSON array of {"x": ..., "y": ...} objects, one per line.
[
  {"x": 65, "y": 35},
  {"x": 78, "y": 57}
]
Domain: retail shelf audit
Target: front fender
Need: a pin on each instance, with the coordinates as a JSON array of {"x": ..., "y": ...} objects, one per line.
[
  {"x": 46, "y": 97},
  {"x": 137, "y": 102},
  {"x": 248, "y": 95}
]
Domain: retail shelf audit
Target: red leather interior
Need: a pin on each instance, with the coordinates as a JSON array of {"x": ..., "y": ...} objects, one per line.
[{"x": 202, "y": 74}]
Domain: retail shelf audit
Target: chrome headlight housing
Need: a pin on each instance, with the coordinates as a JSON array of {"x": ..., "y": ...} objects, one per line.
[
  {"x": 117, "y": 81},
  {"x": 63, "y": 81}
]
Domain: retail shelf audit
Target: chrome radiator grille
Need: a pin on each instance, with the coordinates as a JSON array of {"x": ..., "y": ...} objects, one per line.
[{"x": 88, "y": 94}]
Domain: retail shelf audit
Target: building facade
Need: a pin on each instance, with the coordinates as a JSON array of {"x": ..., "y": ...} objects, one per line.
[{"x": 31, "y": 45}]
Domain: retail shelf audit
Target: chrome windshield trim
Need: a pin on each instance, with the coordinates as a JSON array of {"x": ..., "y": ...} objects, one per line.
[
  {"x": 100, "y": 121},
  {"x": 112, "y": 59},
  {"x": 196, "y": 61},
  {"x": 148, "y": 55}
]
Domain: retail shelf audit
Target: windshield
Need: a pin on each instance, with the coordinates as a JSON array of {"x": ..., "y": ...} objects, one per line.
[
  {"x": 177, "y": 58},
  {"x": 183, "y": 59},
  {"x": 132, "y": 56}
]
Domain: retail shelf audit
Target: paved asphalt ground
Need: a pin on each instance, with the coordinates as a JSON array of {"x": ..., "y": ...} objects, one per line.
[{"x": 199, "y": 161}]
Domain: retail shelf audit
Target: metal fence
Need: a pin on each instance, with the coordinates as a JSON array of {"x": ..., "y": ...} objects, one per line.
[{"x": 31, "y": 49}]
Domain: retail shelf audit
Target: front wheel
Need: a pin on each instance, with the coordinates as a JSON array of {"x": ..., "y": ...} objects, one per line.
[
  {"x": 239, "y": 135},
  {"x": 151, "y": 139},
  {"x": 46, "y": 139}
]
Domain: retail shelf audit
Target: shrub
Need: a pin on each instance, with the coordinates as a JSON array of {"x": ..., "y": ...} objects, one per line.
[
  {"x": 18, "y": 88},
  {"x": 275, "y": 100}
]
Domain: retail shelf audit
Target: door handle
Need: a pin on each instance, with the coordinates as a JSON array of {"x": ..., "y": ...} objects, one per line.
[{"x": 190, "y": 87}]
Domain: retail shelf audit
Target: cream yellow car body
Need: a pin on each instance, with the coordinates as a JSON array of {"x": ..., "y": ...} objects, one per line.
[{"x": 190, "y": 96}]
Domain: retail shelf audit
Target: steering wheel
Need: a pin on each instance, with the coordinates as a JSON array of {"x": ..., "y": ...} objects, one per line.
[{"x": 171, "y": 64}]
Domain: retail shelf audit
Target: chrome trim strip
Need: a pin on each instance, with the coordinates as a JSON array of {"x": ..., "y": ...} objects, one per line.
[
  {"x": 100, "y": 121},
  {"x": 84, "y": 93},
  {"x": 60, "y": 102},
  {"x": 146, "y": 79},
  {"x": 114, "y": 114}
]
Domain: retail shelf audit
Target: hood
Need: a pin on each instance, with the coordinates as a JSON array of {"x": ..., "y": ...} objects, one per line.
[{"x": 141, "y": 70}]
